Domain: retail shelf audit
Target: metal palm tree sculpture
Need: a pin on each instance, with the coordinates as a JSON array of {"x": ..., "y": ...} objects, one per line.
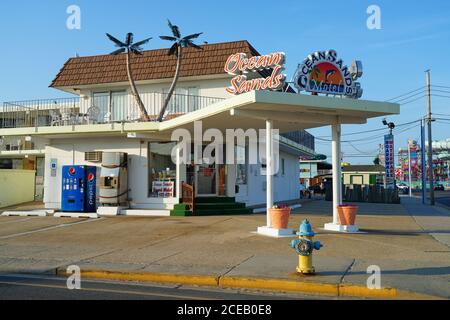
[
  {"x": 129, "y": 47},
  {"x": 177, "y": 50}
]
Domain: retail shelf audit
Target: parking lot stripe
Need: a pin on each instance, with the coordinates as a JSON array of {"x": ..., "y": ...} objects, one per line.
[
  {"x": 21, "y": 220},
  {"x": 65, "y": 225}
]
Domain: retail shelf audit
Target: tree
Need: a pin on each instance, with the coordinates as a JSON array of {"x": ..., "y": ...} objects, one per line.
[
  {"x": 129, "y": 48},
  {"x": 177, "y": 50},
  {"x": 376, "y": 161}
]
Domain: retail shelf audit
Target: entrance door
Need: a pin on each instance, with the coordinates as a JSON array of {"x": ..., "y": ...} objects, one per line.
[
  {"x": 206, "y": 180},
  {"x": 40, "y": 168}
]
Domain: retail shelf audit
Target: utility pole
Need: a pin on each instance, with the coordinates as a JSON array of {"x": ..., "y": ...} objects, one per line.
[
  {"x": 409, "y": 169},
  {"x": 448, "y": 173},
  {"x": 430, "y": 139},
  {"x": 424, "y": 161}
]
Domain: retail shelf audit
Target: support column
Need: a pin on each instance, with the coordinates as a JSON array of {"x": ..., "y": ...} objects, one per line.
[
  {"x": 269, "y": 169},
  {"x": 337, "y": 182},
  {"x": 337, "y": 174},
  {"x": 181, "y": 173}
]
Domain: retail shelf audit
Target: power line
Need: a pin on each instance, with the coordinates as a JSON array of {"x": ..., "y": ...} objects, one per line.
[
  {"x": 369, "y": 131},
  {"x": 433, "y": 85},
  {"x": 409, "y": 97},
  {"x": 441, "y": 96},
  {"x": 444, "y": 91},
  {"x": 372, "y": 138},
  {"x": 405, "y": 94},
  {"x": 414, "y": 100}
]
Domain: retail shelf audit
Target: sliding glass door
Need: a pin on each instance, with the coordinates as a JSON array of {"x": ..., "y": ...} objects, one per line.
[
  {"x": 101, "y": 102},
  {"x": 119, "y": 110}
]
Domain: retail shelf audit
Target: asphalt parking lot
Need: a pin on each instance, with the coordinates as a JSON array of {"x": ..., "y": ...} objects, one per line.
[{"x": 410, "y": 245}]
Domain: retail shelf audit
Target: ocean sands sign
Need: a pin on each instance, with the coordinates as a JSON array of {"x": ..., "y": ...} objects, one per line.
[
  {"x": 240, "y": 66},
  {"x": 322, "y": 72}
]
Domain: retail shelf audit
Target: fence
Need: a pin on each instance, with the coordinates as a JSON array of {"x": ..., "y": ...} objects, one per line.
[
  {"x": 103, "y": 108},
  {"x": 363, "y": 193},
  {"x": 37, "y": 113}
]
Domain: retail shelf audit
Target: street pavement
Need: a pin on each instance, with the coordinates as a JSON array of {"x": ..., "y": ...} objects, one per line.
[
  {"x": 33, "y": 287},
  {"x": 443, "y": 197},
  {"x": 409, "y": 242}
]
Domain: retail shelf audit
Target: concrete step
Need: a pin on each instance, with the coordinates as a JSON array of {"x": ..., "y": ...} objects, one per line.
[
  {"x": 199, "y": 200},
  {"x": 145, "y": 213}
]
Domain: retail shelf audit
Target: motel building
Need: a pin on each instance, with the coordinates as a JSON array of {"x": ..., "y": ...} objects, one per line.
[{"x": 140, "y": 168}]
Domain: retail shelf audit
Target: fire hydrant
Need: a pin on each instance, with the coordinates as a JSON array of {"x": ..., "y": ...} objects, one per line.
[{"x": 305, "y": 247}]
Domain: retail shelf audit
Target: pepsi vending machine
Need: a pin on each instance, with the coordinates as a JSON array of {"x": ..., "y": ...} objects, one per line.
[{"x": 79, "y": 189}]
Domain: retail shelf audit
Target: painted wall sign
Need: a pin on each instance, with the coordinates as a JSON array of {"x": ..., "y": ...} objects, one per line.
[
  {"x": 323, "y": 72},
  {"x": 240, "y": 66}
]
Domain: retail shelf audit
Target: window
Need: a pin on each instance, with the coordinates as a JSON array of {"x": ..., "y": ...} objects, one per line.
[
  {"x": 162, "y": 170},
  {"x": 100, "y": 100},
  {"x": 119, "y": 110},
  {"x": 112, "y": 106},
  {"x": 283, "y": 167}
]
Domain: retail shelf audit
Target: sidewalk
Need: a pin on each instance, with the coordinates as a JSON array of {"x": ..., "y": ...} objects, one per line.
[
  {"x": 408, "y": 242},
  {"x": 433, "y": 220}
]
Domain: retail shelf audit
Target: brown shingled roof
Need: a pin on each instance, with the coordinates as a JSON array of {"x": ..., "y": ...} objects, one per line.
[{"x": 152, "y": 65}]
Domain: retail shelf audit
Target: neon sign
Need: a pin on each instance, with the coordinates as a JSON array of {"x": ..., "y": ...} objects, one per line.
[
  {"x": 240, "y": 66},
  {"x": 322, "y": 72}
]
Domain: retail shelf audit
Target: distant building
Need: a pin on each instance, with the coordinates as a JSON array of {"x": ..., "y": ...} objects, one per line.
[
  {"x": 363, "y": 175},
  {"x": 313, "y": 172}
]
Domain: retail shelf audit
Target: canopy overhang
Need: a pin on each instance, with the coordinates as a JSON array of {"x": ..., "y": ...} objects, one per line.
[{"x": 289, "y": 112}]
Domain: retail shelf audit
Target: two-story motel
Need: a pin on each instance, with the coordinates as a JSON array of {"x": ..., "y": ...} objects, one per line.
[{"x": 103, "y": 117}]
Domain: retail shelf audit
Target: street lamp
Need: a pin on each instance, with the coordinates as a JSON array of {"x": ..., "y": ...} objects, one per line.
[{"x": 390, "y": 125}]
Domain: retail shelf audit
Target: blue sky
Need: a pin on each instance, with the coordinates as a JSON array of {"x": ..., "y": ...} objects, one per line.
[{"x": 414, "y": 37}]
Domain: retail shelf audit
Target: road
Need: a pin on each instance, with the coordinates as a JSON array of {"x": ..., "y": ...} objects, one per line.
[
  {"x": 443, "y": 197},
  {"x": 31, "y": 287}
]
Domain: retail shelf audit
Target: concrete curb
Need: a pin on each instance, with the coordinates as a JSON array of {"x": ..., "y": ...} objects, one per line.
[{"x": 279, "y": 285}]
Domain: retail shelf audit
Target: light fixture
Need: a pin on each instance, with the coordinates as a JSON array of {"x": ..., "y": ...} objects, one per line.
[{"x": 390, "y": 125}]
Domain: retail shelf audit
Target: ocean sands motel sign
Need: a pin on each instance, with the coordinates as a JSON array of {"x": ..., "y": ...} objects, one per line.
[
  {"x": 239, "y": 66},
  {"x": 323, "y": 72}
]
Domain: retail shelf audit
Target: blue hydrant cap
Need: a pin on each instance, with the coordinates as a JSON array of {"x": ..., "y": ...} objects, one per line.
[{"x": 306, "y": 229}]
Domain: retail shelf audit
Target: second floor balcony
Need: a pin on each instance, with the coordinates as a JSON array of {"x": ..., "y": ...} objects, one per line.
[{"x": 101, "y": 108}]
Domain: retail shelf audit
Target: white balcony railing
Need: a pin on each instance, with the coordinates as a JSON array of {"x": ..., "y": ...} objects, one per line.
[{"x": 76, "y": 111}]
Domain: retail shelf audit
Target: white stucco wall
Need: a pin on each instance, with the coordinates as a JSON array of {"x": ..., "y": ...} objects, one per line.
[
  {"x": 286, "y": 187},
  {"x": 214, "y": 88},
  {"x": 71, "y": 151}
]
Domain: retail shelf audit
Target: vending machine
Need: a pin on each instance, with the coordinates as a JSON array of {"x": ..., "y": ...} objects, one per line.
[{"x": 79, "y": 185}]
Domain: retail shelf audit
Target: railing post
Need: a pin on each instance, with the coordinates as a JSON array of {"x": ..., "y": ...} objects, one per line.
[{"x": 36, "y": 117}]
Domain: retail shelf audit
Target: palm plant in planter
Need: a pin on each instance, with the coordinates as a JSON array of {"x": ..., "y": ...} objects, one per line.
[
  {"x": 177, "y": 50},
  {"x": 129, "y": 48}
]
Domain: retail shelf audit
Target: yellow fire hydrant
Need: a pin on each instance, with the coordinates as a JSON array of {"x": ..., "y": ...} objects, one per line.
[{"x": 305, "y": 247}]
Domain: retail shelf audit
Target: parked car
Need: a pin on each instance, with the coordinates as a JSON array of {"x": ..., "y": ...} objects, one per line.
[
  {"x": 317, "y": 189},
  {"x": 403, "y": 188},
  {"x": 439, "y": 187}
]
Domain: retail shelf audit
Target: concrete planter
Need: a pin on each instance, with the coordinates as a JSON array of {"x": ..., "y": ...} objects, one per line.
[
  {"x": 347, "y": 214},
  {"x": 280, "y": 217}
]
